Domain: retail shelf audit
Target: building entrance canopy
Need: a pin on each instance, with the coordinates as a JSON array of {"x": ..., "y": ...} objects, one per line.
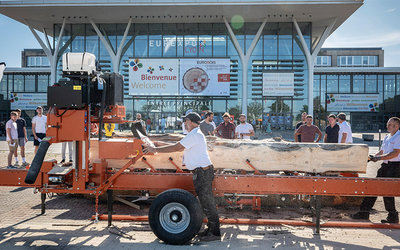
[
  {"x": 43, "y": 14},
  {"x": 322, "y": 18}
]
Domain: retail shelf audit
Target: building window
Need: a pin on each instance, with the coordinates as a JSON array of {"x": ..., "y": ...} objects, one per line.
[
  {"x": 219, "y": 46},
  {"x": 344, "y": 83},
  {"x": 357, "y": 61},
  {"x": 30, "y": 83},
  {"x": 358, "y": 84},
  {"x": 323, "y": 61},
  {"x": 389, "y": 86},
  {"x": 169, "y": 45},
  {"x": 332, "y": 84},
  {"x": 43, "y": 82},
  {"x": 37, "y": 61},
  {"x": 370, "y": 84}
]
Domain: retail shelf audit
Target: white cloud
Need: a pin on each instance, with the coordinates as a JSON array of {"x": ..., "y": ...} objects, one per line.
[
  {"x": 390, "y": 10},
  {"x": 376, "y": 40}
]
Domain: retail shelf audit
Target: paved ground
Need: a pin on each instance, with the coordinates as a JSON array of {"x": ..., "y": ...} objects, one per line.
[{"x": 66, "y": 224}]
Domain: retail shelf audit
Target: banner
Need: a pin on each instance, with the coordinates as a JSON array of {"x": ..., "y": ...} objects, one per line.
[
  {"x": 153, "y": 77},
  {"x": 27, "y": 101},
  {"x": 278, "y": 84},
  {"x": 352, "y": 102},
  {"x": 204, "y": 77}
]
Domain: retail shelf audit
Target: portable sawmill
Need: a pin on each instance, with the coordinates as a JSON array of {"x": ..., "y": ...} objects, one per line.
[{"x": 101, "y": 165}]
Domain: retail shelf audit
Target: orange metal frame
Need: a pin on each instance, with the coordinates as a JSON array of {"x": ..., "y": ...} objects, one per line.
[{"x": 97, "y": 177}]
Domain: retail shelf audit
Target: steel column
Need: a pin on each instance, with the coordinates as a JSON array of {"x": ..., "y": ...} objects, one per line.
[
  {"x": 311, "y": 55},
  {"x": 244, "y": 58}
]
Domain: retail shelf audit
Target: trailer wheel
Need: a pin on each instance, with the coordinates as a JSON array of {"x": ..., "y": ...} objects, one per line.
[{"x": 175, "y": 216}]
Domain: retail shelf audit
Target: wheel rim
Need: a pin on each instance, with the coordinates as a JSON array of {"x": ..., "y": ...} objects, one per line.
[{"x": 174, "y": 217}]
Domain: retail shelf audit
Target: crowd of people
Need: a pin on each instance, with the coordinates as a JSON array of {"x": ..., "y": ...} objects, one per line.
[
  {"x": 338, "y": 130},
  {"x": 16, "y": 135}
]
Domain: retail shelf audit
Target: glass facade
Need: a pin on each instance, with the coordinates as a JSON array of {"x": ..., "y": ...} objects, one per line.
[
  {"x": 23, "y": 82},
  {"x": 384, "y": 84},
  {"x": 278, "y": 49}
]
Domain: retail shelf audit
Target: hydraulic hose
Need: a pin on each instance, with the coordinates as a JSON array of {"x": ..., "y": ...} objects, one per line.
[
  {"x": 102, "y": 106},
  {"x": 37, "y": 162}
]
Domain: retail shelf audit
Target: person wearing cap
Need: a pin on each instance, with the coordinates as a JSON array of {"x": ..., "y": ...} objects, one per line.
[
  {"x": 226, "y": 129},
  {"x": 197, "y": 160},
  {"x": 244, "y": 130}
]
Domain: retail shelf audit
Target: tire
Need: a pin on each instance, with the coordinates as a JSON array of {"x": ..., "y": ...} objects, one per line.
[{"x": 175, "y": 216}]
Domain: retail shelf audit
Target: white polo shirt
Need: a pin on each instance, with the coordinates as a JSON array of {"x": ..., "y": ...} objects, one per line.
[
  {"x": 243, "y": 129},
  {"x": 195, "y": 154},
  {"x": 345, "y": 128},
  {"x": 389, "y": 144}
]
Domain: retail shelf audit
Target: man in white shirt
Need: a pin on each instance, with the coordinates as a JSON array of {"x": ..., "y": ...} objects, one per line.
[
  {"x": 39, "y": 125},
  {"x": 197, "y": 160},
  {"x": 390, "y": 154},
  {"x": 12, "y": 137},
  {"x": 345, "y": 134},
  {"x": 244, "y": 130}
]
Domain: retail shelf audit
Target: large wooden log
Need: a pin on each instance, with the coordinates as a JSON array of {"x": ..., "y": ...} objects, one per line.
[{"x": 266, "y": 155}]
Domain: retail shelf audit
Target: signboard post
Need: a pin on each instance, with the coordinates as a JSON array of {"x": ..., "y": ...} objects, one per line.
[
  {"x": 278, "y": 84},
  {"x": 352, "y": 102}
]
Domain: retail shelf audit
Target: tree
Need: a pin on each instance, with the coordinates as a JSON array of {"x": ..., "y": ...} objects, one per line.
[
  {"x": 279, "y": 107},
  {"x": 149, "y": 107},
  {"x": 254, "y": 110},
  {"x": 235, "y": 111}
]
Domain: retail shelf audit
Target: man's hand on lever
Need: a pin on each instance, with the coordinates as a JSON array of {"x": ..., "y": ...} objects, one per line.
[{"x": 149, "y": 149}]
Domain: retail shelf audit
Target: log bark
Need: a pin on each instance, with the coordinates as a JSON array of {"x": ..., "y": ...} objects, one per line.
[{"x": 267, "y": 155}]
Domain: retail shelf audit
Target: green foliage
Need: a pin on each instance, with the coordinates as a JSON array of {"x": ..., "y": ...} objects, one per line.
[
  {"x": 254, "y": 110},
  {"x": 235, "y": 111}
]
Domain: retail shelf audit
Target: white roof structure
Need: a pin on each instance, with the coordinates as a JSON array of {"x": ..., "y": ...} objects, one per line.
[{"x": 44, "y": 13}]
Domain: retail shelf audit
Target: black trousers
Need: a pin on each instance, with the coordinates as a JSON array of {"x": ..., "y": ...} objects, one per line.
[
  {"x": 391, "y": 169},
  {"x": 202, "y": 180}
]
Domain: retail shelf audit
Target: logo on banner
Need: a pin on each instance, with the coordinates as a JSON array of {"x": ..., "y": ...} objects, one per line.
[
  {"x": 150, "y": 70},
  {"x": 374, "y": 107},
  {"x": 330, "y": 98},
  {"x": 224, "y": 77},
  {"x": 13, "y": 97},
  {"x": 135, "y": 64}
]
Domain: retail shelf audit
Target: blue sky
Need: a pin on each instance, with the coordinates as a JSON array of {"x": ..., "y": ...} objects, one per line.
[{"x": 375, "y": 24}]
